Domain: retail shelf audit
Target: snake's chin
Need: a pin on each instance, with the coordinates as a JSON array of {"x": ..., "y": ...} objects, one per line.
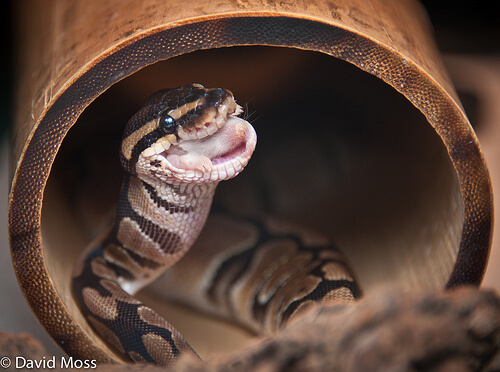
[{"x": 214, "y": 158}]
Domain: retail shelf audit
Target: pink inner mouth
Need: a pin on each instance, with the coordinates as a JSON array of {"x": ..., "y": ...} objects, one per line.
[
  {"x": 228, "y": 150},
  {"x": 237, "y": 151}
]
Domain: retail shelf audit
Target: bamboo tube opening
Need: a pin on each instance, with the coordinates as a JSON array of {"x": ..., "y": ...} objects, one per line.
[{"x": 339, "y": 151}]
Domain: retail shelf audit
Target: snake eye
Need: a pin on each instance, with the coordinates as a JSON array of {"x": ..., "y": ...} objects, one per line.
[{"x": 167, "y": 124}]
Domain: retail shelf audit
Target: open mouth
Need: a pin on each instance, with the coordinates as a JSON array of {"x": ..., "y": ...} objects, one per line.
[{"x": 213, "y": 157}]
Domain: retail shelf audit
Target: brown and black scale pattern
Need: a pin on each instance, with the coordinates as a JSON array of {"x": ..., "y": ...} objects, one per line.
[
  {"x": 243, "y": 261},
  {"x": 128, "y": 326}
]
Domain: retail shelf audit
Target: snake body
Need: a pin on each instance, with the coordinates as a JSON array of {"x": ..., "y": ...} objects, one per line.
[{"x": 175, "y": 151}]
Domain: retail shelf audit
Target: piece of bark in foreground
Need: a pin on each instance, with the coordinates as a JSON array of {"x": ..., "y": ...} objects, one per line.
[{"x": 390, "y": 330}]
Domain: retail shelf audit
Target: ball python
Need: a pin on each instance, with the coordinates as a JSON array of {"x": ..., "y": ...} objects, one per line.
[{"x": 175, "y": 150}]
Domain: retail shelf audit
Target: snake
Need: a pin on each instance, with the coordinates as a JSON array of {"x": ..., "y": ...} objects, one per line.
[{"x": 175, "y": 150}]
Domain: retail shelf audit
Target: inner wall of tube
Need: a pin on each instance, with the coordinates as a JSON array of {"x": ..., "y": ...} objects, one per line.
[{"x": 339, "y": 151}]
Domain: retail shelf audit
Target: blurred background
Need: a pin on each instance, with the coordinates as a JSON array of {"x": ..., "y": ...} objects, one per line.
[{"x": 468, "y": 35}]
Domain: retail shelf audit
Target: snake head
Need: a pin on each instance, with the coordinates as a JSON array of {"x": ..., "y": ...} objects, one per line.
[{"x": 188, "y": 134}]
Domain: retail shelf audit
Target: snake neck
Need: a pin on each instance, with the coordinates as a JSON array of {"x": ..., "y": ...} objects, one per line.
[{"x": 155, "y": 225}]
